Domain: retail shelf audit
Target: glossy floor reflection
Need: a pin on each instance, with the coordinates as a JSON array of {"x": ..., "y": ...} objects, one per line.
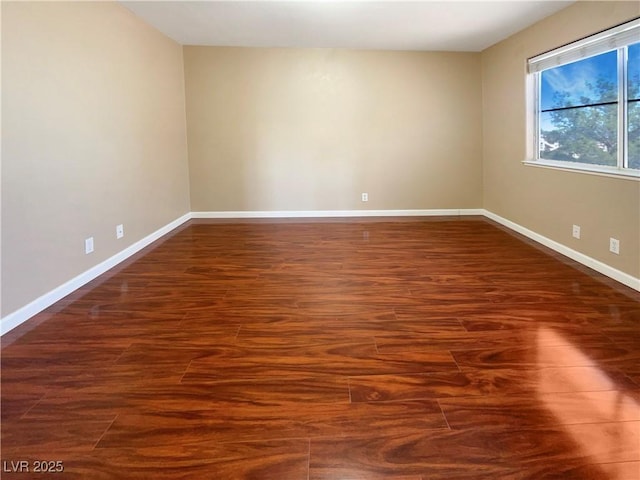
[{"x": 396, "y": 349}]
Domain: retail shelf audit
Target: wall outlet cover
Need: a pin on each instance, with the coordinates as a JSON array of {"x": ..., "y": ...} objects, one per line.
[
  {"x": 614, "y": 245},
  {"x": 88, "y": 245},
  {"x": 576, "y": 231}
]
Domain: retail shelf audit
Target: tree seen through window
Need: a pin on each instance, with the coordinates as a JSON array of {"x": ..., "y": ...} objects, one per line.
[{"x": 579, "y": 110}]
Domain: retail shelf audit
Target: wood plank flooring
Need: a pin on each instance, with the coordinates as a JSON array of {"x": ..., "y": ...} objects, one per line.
[{"x": 373, "y": 349}]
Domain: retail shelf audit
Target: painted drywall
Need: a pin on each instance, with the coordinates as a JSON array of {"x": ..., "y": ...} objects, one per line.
[
  {"x": 93, "y": 136},
  {"x": 550, "y": 201},
  {"x": 311, "y": 129}
]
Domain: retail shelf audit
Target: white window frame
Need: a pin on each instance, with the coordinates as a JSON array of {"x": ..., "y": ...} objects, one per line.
[{"x": 616, "y": 38}]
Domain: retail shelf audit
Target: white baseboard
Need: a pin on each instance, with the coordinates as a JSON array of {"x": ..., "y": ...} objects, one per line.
[
  {"x": 336, "y": 213},
  {"x": 16, "y": 318},
  {"x": 598, "y": 266},
  {"x": 21, "y": 315}
]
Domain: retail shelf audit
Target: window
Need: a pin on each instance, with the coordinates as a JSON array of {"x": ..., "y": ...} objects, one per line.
[{"x": 587, "y": 103}]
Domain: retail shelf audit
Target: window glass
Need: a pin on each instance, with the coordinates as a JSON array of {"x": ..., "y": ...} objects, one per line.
[
  {"x": 633, "y": 112},
  {"x": 578, "y": 117}
]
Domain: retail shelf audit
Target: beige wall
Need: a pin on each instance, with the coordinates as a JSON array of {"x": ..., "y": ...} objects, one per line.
[
  {"x": 311, "y": 129},
  {"x": 93, "y": 127},
  {"x": 549, "y": 201},
  {"x": 93, "y": 136}
]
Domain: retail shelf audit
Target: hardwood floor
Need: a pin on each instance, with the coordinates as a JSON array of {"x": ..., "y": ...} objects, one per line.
[{"x": 395, "y": 349}]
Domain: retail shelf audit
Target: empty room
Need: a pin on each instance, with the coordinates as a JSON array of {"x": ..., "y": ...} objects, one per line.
[{"x": 320, "y": 240}]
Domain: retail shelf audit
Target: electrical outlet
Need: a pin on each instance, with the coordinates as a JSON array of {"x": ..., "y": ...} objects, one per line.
[
  {"x": 120, "y": 231},
  {"x": 88, "y": 245},
  {"x": 614, "y": 245},
  {"x": 576, "y": 231},
  {"x": 365, "y": 197}
]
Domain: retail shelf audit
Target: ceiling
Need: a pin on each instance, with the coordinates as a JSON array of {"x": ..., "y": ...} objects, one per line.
[{"x": 450, "y": 25}]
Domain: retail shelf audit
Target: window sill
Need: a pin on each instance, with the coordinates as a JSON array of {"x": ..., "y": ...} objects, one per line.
[{"x": 589, "y": 170}]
